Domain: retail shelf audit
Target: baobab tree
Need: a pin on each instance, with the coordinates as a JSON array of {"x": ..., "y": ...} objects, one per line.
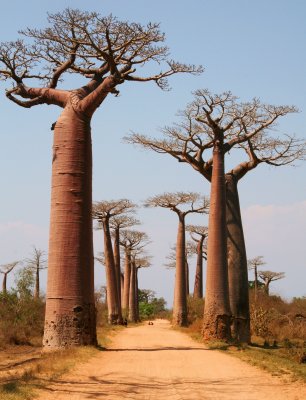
[
  {"x": 131, "y": 241},
  {"x": 103, "y": 212},
  {"x": 142, "y": 261},
  {"x": 36, "y": 262},
  {"x": 116, "y": 224},
  {"x": 269, "y": 276},
  {"x": 191, "y": 203},
  {"x": 5, "y": 269},
  {"x": 199, "y": 235},
  {"x": 105, "y": 53},
  {"x": 218, "y": 123},
  {"x": 253, "y": 264},
  {"x": 136, "y": 262},
  {"x": 190, "y": 251}
]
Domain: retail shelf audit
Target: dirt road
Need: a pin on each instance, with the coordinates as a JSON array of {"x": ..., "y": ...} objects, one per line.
[{"x": 158, "y": 363}]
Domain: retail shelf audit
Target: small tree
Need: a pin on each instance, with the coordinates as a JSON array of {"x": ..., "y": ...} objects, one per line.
[
  {"x": 269, "y": 276},
  {"x": 192, "y": 203},
  {"x": 36, "y": 262},
  {"x": 253, "y": 264},
  {"x": 5, "y": 269}
]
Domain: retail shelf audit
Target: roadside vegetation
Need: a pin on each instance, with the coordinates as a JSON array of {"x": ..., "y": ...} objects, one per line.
[{"x": 278, "y": 334}]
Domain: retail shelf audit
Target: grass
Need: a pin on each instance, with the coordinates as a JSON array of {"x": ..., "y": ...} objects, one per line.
[
  {"x": 52, "y": 365},
  {"x": 281, "y": 360}
]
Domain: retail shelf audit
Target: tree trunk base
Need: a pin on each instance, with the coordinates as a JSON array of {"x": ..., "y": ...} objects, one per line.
[
  {"x": 216, "y": 327},
  {"x": 240, "y": 329},
  {"x": 113, "y": 319},
  {"x": 180, "y": 319},
  {"x": 74, "y": 328}
]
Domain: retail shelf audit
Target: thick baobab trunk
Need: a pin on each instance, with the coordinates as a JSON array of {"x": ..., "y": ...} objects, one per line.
[
  {"x": 127, "y": 278},
  {"x": 237, "y": 264},
  {"x": 118, "y": 271},
  {"x": 217, "y": 315},
  {"x": 111, "y": 281},
  {"x": 187, "y": 276},
  {"x": 37, "y": 284},
  {"x": 198, "y": 281},
  {"x": 70, "y": 308},
  {"x": 180, "y": 298},
  {"x": 132, "y": 297},
  {"x": 4, "y": 290}
]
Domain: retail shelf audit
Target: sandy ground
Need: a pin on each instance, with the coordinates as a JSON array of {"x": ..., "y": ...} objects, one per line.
[{"x": 156, "y": 362}]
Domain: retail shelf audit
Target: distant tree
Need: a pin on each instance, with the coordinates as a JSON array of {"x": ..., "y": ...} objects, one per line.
[
  {"x": 253, "y": 264},
  {"x": 5, "y": 269},
  {"x": 36, "y": 262},
  {"x": 199, "y": 235},
  {"x": 116, "y": 224},
  {"x": 107, "y": 52},
  {"x": 103, "y": 212},
  {"x": 268, "y": 276},
  {"x": 191, "y": 203},
  {"x": 149, "y": 305},
  {"x": 131, "y": 241},
  {"x": 141, "y": 261}
]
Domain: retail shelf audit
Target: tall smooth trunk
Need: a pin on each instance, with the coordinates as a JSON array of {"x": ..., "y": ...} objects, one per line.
[
  {"x": 4, "y": 290},
  {"x": 187, "y": 276},
  {"x": 111, "y": 280},
  {"x": 198, "y": 281},
  {"x": 37, "y": 284},
  {"x": 137, "y": 295},
  {"x": 237, "y": 264},
  {"x": 121, "y": 285},
  {"x": 132, "y": 297},
  {"x": 180, "y": 298},
  {"x": 217, "y": 315},
  {"x": 70, "y": 309},
  {"x": 118, "y": 271},
  {"x": 127, "y": 278}
]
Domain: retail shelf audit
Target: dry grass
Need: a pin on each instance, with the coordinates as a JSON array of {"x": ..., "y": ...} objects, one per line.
[{"x": 52, "y": 365}]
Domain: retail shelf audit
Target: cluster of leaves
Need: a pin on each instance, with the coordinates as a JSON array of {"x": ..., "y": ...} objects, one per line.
[{"x": 150, "y": 306}]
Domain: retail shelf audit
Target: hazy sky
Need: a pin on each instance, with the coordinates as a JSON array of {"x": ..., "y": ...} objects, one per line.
[{"x": 253, "y": 48}]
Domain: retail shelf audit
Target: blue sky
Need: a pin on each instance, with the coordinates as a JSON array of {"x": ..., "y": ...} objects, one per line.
[{"x": 254, "y": 49}]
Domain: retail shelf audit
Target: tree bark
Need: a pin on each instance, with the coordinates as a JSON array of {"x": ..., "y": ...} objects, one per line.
[
  {"x": 118, "y": 271},
  {"x": 132, "y": 296},
  {"x": 237, "y": 264},
  {"x": 111, "y": 281},
  {"x": 127, "y": 278},
  {"x": 121, "y": 285},
  {"x": 187, "y": 276},
  {"x": 137, "y": 295},
  {"x": 70, "y": 308},
  {"x": 37, "y": 284},
  {"x": 4, "y": 290},
  {"x": 217, "y": 315},
  {"x": 180, "y": 298},
  {"x": 198, "y": 282}
]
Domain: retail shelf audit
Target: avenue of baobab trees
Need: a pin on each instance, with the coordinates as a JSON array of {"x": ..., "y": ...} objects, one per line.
[{"x": 105, "y": 53}]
